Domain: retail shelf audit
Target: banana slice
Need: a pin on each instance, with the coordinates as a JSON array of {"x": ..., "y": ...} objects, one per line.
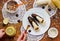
[
  {"x": 5, "y": 21},
  {"x": 36, "y": 28},
  {"x": 41, "y": 2},
  {"x": 10, "y": 31},
  {"x": 33, "y": 23},
  {"x": 47, "y": 9},
  {"x": 38, "y": 18}
]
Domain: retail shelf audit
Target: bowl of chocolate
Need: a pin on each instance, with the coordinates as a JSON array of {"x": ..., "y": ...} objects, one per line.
[{"x": 11, "y": 6}]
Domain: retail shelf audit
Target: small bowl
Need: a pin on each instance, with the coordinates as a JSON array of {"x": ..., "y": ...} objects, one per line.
[
  {"x": 11, "y": 11},
  {"x": 53, "y": 32}
]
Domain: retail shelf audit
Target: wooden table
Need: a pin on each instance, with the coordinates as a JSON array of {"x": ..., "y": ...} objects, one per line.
[{"x": 55, "y": 22}]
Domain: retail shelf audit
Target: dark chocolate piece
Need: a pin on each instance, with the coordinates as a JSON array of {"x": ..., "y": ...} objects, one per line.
[
  {"x": 43, "y": 7},
  {"x": 32, "y": 20},
  {"x": 29, "y": 30},
  {"x": 34, "y": 16},
  {"x": 49, "y": 9},
  {"x": 17, "y": 15},
  {"x": 18, "y": 21}
]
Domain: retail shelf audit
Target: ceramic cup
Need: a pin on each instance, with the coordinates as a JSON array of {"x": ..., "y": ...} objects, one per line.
[
  {"x": 53, "y": 32},
  {"x": 11, "y": 11}
]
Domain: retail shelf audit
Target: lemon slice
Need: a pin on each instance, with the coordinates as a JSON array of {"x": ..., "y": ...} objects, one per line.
[
  {"x": 10, "y": 31},
  {"x": 6, "y": 20}
]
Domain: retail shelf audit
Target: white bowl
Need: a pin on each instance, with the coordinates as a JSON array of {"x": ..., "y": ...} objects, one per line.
[{"x": 53, "y": 32}]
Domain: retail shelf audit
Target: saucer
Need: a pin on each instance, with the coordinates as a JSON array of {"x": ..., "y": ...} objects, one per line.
[{"x": 13, "y": 18}]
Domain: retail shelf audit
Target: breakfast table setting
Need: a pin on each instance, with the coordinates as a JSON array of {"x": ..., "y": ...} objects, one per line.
[{"x": 40, "y": 19}]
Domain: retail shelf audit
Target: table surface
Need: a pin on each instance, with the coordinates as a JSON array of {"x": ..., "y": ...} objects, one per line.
[{"x": 55, "y": 22}]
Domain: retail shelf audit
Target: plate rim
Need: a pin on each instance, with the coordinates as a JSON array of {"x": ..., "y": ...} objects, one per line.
[{"x": 45, "y": 11}]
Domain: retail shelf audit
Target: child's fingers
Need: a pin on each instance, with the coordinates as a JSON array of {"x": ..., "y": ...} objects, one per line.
[
  {"x": 25, "y": 35},
  {"x": 2, "y": 29},
  {"x": 3, "y": 33},
  {"x": 19, "y": 38},
  {"x": 22, "y": 37}
]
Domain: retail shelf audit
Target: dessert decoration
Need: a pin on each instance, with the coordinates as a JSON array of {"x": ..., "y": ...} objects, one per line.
[
  {"x": 38, "y": 18},
  {"x": 33, "y": 23}
]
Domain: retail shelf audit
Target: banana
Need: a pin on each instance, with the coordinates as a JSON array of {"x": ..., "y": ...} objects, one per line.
[{"x": 57, "y": 3}]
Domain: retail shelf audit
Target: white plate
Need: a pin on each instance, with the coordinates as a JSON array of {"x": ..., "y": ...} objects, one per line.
[
  {"x": 32, "y": 37},
  {"x": 51, "y": 13},
  {"x": 43, "y": 14}
]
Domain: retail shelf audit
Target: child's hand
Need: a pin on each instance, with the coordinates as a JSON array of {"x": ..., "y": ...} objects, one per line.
[
  {"x": 22, "y": 37},
  {"x": 1, "y": 33}
]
